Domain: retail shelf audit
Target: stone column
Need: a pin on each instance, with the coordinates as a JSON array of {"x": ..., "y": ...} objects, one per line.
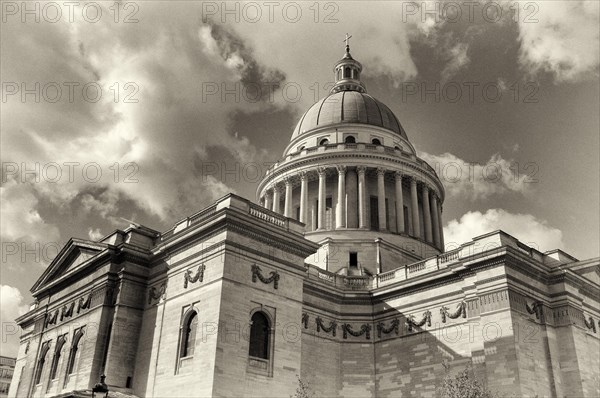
[
  {"x": 340, "y": 211},
  {"x": 303, "y": 197},
  {"x": 362, "y": 198},
  {"x": 381, "y": 199},
  {"x": 287, "y": 211},
  {"x": 399, "y": 204},
  {"x": 276, "y": 193},
  {"x": 436, "y": 221},
  {"x": 439, "y": 210},
  {"x": 414, "y": 205},
  {"x": 268, "y": 200},
  {"x": 426, "y": 214},
  {"x": 322, "y": 196},
  {"x": 352, "y": 202}
]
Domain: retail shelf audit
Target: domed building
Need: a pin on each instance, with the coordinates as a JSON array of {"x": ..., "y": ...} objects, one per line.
[
  {"x": 337, "y": 277},
  {"x": 352, "y": 176}
]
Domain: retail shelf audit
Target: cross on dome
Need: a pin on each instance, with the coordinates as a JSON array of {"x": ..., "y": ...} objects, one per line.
[{"x": 347, "y": 40}]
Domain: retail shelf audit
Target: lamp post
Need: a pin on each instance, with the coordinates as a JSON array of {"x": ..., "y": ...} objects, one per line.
[{"x": 100, "y": 388}]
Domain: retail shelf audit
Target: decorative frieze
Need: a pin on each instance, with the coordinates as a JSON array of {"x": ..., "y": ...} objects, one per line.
[
  {"x": 461, "y": 310},
  {"x": 257, "y": 273},
  {"x": 66, "y": 311},
  {"x": 364, "y": 329},
  {"x": 198, "y": 277},
  {"x": 410, "y": 321},
  {"x": 331, "y": 328},
  {"x": 155, "y": 293},
  {"x": 394, "y": 327}
]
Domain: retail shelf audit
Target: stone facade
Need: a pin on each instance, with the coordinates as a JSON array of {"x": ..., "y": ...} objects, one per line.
[
  {"x": 338, "y": 276},
  {"x": 7, "y": 368},
  {"x": 526, "y": 321}
]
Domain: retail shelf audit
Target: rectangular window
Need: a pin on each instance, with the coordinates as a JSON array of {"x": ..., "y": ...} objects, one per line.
[
  {"x": 387, "y": 215},
  {"x": 406, "y": 221},
  {"x": 374, "y": 213},
  {"x": 298, "y": 213},
  {"x": 328, "y": 213},
  {"x": 353, "y": 259}
]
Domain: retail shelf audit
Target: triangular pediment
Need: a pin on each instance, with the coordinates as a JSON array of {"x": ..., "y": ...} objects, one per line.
[
  {"x": 591, "y": 273},
  {"x": 74, "y": 255}
]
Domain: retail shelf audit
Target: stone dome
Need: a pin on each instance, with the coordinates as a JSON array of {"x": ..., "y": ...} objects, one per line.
[{"x": 348, "y": 107}]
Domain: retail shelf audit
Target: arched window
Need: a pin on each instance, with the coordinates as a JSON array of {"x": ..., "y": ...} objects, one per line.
[
  {"x": 60, "y": 342},
  {"x": 375, "y": 141},
  {"x": 324, "y": 141},
  {"x": 41, "y": 361},
  {"x": 397, "y": 148},
  {"x": 74, "y": 348},
  {"x": 350, "y": 140},
  {"x": 188, "y": 336},
  {"x": 259, "y": 336},
  {"x": 347, "y": 72}
]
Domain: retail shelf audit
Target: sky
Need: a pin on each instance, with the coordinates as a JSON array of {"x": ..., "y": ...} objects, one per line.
[{"x": 150, "y": 111}]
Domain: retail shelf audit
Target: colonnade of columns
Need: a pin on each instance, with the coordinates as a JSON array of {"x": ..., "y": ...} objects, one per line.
[{"x": 349, "y": 199}]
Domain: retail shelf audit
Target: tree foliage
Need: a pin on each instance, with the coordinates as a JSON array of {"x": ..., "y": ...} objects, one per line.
[
  {"x": 463, "y": 385},
  {"x": 303, "y": 390}
]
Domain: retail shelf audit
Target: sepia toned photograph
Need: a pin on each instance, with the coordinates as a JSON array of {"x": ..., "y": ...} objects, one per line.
[{"x": 300, "y": 199}]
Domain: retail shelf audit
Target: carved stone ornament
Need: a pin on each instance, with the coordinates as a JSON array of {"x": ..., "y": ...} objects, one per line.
[
  {"x": 364, "y": 329},
  {"x": 257, "y": 273},
  {"x": 410, "y": 321},
  {"x": 590, "y": 324},
  {"x": 52, "y": 318},
  {"x": 305, "y": 320},
  {"x": 156, "y": 294},
  {"x": 331, "y": 328},
  {"x": 67, "y": 311},
  {"x": 461, "y": 310},
  {"x": 394, "y": 327},
  {"x": 84, "y": 303},
  {"x": 535, "y": 308},
  {"x": 189, "y": 278}
]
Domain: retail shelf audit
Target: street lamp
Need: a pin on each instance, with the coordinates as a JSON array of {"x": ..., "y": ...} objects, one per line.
[{"x": 100, "y": 388}]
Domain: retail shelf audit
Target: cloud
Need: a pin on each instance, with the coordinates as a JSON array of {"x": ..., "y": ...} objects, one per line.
[
  {"x": 11, "y": 307},
  {"x": 95, "y": 234},
  {"x": 525, "y": 227},
  {"x": 560, "y": 37},
  {"x": 145, "y": 150},
  {"x": 458, "y": 59},
  {"x": 476, "y": 181},
  {"x": 20, "y": 219}
]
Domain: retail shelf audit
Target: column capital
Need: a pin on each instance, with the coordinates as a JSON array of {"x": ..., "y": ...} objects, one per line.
[
  {"x": 361, "y": 169},
  {"x": 287, "y": 180},
  {"x": 381, "y": 171},
  {"x": 321, "y": 170},
  {"x": 424, "y": 187},
  {"x": 341, "y": 169},
  {"x": 268, "y": 193},
  {"x": 278, "y": 187},
  {"x": 398, "y": 174},
  {"x": 303, "y": 175},
  {"x": 413, "y": 180}
]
